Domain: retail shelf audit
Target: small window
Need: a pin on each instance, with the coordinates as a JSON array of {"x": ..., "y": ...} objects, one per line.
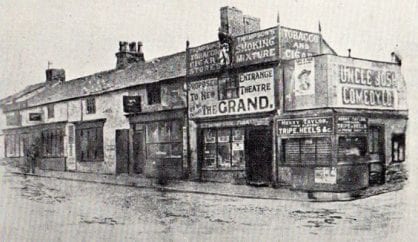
[
  {"x": 154, "y": 94},
  {"x": 228, "y": 88},
  {"x": 91, "y": 105},
  {"x": 351, "y": 148},
  {"x": 398, "y": 148},
  {"x": 50, "y": 109}
]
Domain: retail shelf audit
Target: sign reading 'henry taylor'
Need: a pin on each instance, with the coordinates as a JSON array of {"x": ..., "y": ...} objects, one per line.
[{"x": 255, "y": 94}]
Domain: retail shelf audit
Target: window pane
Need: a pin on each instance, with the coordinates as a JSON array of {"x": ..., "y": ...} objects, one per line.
[
  {"x": 176, "y": 150},
  {"x": 307, "y": 150},
  {"x": 323, "y": 151},
  {"x": 224, "y": 155},
  {"x": 292, "y": 151},
  {"x": 152, "y": 133},
  {"x": 209, "y": 155},
  {"x": 222, "y": 89},
  {"x": 351, "y": 148},
  {"x": 223, "y": 135},
  {"x": 210, "y": 135},
  {"x": 176, "y": 131},
  {"x": 155, "y": 151},
  {"x": 164, "y": 131},
  {"x": 238, "y": 135},
  {"x": 238, "y": 159}
]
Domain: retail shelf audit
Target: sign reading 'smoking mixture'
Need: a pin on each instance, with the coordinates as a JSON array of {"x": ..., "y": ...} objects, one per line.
[{"x": 254, "y": 92}]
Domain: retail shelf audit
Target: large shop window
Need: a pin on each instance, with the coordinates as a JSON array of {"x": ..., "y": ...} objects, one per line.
[
  {"x": 89, "y": 141},
  {"x": 164, "y": 140},
  {"x": 52, "y": 143},
  {"x": 13, "y": 144},
  {"x": 307, "y": 151},
  {"x": 398, "y": 148},
  {"x": 350, "y": 149},
  {"x": 223, "y": 148}
]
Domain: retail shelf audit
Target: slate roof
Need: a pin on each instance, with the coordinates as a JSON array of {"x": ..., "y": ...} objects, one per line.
[
  {"x": 166, "y": 67},
  {"x": 25, "y": 91}
]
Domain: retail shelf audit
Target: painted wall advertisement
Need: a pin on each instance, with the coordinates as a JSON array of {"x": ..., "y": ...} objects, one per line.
[
  {"x": 366, "y": 87},
  {"x": 352, "y": 124},
  {"x": 204, "y": 59},
  {"x": 304, "y": 77},
  {"x": 298, "y": 44},
  {"x": 326, "y": 175},
  {"x": 254, "y": 92},
  {"x": 301, "y": 126},
  {"x": 256, "y": 47}
]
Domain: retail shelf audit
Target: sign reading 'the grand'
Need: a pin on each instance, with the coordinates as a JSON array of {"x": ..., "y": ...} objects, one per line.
[
  {"x": 248, "y": 92},
  {"x": 261, "y": 46}
]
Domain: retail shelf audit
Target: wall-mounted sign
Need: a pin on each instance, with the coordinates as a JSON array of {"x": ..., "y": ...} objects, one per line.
[
  {"x": 366, "y": 87},
  {"x": 261, "y": 46},
  {"x": 326, "y": 175},
  {"x": 304, "y": 77},
  {"x": 204, "y": 59},
  {"x": 302, "y": 126},
  {"x": 352, "y": 124},
  {"x": 298, "y": 44},
  {"x": 254, "y": 90},
  {"x": 132, "y": 104},
  {"x": 35, "y": 116}
]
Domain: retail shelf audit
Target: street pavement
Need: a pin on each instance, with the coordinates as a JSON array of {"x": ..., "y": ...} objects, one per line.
[{"x": 48, "y": 209}]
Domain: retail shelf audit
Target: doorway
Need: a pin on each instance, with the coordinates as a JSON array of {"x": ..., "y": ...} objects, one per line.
[
  {"x": 122, "y": 151},
  {"x": 259, "y": 155},
  {"x": 377, "y": 155},
  {"x": 138, "y": 158}
]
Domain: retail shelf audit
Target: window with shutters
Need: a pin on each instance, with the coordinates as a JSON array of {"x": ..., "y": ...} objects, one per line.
[
  {"x": 89, "y": 142},
  {"x": 307, "y": 151}
]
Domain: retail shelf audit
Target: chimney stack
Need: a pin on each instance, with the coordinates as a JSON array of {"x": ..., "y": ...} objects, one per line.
[
  {"x": 234, "y": 22},
  {"x": 55, "y": 76},
  {"x": 129, "y": 54}
]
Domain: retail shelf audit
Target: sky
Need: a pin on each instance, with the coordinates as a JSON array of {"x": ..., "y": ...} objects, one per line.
[{"x": 82, "y": 36}]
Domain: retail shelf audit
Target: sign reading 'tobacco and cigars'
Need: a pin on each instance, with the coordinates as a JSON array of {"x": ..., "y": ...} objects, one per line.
[
  {"x": 255, "y": 91},
  {"x": 298, "y": 44}
]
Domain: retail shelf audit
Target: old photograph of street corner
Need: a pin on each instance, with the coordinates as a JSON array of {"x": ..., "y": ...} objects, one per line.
[{"x": 226, "y": 120}]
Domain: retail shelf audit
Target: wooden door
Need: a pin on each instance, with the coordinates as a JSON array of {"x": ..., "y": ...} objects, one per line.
[
  {"x": 122, "y": 151},
  {"x": 138, "y": 152},
  {"x": 259, "y": 155}
]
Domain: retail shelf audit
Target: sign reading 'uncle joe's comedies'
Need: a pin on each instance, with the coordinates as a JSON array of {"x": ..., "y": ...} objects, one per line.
[
  {"x": 301, "y": 126},
  {"x": 261, "y": 46},
  {"x": 248, "y": 92}
]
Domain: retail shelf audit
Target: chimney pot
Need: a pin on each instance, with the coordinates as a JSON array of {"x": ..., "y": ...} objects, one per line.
[{"x": 349, "y": 52}]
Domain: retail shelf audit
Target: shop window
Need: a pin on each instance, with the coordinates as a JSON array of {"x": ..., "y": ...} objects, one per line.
[
  {"x": 398, "y": 148},
  {"x": 91, "y": 105},
  {"x": 307, "y": 151},
  {"x": 50, "y": 110},
  {"x": 52, "y": 143},
  {"x": 228, "y": 88},
  {"x": 164, "y": 139},
  {"x": 89, "y": 141},
  {"x": 12, "y": 143},
  {"x": 154, "y": 94},
  {"x": 223, "y": 148},
  {"x": 351, "y": 148}
]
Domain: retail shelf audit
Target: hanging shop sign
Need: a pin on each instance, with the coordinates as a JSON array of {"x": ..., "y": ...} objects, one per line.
[
  {"x": 35, "y": 116},
  {"x": 352, "y": 124},
  {"x": 298, "y": 44},
  {"x": 203, "y": 59},
  {"x": 132, "y": 104},
  {"x": 261, "y": 46},
  {"x": 302, "y": 126},
  {"x": 249, "y": 92},
  {"x": 326, "y": 175}
]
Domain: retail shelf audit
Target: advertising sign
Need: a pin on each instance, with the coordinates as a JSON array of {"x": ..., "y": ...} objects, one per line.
[
  {"x": 35, "y": 116},
  {"x": 204, "y": 59},
  {"x": 256, "y": 47},
  {"x": 298, "y": 44},
  {"x": 351, "y": 124},
  {"x": 301, "y": 126},
  {"x": 254, "y": 92},
  {"x": 132, "y": 104},
  {"x": 304, "y": 77},
  {"x": 366, "y": 86},
  {"x": 326, "y": 175}
]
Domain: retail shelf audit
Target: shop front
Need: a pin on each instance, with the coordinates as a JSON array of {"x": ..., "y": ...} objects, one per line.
[{"x": 323, "y": 153}]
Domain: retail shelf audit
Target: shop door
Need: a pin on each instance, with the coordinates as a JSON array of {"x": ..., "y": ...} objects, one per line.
[
  {"x": 138, "y": 152},
  {"x": 377, "y": 155},
  {"x": 122, "y": 151},
  {"x": 259, "y": 153}
]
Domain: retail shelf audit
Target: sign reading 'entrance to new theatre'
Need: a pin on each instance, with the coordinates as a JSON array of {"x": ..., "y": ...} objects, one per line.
[
  {"x": 351, "y": 124},
  {"x": 303, "y": 126},
  {"x": 254, "y": 92},
  {"x": 256, "y": 47}
]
